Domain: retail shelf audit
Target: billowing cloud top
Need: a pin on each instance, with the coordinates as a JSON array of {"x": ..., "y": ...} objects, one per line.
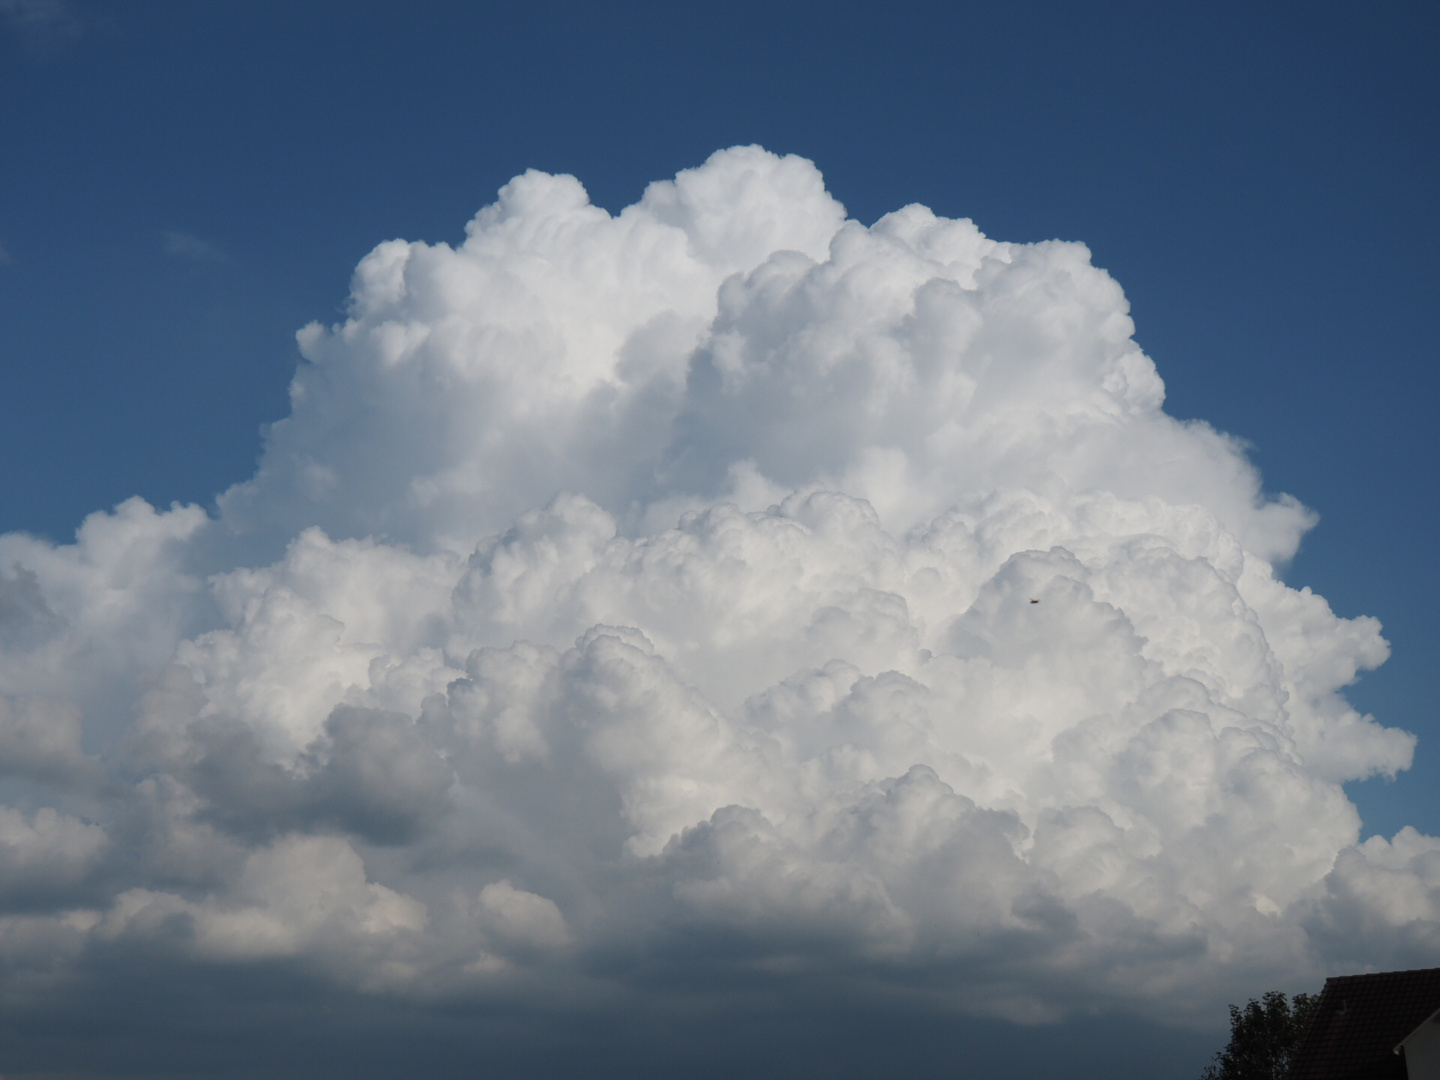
[{"x": 721, "y": 588}]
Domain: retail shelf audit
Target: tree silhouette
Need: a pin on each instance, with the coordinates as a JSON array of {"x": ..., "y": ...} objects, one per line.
[{"x": 1263, "y": 1035}]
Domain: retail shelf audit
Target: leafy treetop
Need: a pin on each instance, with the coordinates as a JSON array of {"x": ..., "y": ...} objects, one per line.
[{"x": 1263, "y": 1036}]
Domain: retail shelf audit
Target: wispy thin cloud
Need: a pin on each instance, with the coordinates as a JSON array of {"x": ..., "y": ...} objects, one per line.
[
  {"x": 43, "y": 25},
  {"x": 192, "y": 248}
]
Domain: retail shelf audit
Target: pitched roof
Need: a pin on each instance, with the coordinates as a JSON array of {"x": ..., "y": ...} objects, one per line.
[{"x": 1359, "y": 1021}]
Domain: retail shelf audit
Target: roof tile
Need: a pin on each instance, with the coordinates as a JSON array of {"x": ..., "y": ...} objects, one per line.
[{"x": 1359, "y": 1021}]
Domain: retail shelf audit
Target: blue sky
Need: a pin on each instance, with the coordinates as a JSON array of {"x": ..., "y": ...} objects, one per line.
[{"x": 182, "y": 187}]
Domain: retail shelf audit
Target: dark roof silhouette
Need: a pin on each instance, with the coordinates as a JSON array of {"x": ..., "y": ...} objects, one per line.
[{"x": 1360, "y": 1020}]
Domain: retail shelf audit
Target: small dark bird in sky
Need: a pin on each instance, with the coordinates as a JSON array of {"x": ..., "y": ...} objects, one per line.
[{"x": 1034, "y": 601}]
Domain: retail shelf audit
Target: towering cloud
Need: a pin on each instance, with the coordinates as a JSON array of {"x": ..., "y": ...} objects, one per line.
[{"x": 719, "y": 593}]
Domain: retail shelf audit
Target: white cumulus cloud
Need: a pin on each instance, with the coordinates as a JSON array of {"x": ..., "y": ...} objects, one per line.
[{"x": 722, "y": 585}]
